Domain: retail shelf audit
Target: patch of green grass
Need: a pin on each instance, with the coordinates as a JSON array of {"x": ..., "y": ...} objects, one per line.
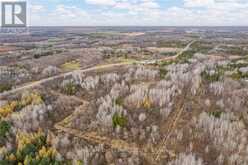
[
  {"x": 164, "y": 63},
  {"x": 119, "y": 120},
  {"x": 72, "y": 65},
  {"x": 5, "y": 87},
  {"x": 216, "y": 114}
]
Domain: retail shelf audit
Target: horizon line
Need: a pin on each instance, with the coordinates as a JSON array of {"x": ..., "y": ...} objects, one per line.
[{"x": 131, "y": 26}]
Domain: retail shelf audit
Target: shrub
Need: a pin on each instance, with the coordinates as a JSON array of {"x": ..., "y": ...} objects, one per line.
[
  {"x": 4, "y": 128},
  {"x": 162, "y": 72},
  {"x": 239, "y": 75},
  {"x": 119, "y": 120}
]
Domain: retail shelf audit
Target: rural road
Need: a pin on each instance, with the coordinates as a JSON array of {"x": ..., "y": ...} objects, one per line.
[{"x": 95, "y": 68}]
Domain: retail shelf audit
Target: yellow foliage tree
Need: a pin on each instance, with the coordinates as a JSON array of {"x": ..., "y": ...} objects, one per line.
[
  {"x": 7, "y": 109},
  {"x": 27, "y": 138},
  {"x": 47, "y": 152},
  {"x": 11, "y": 157},
  {"x": 147, "y": 103},
  {"x": 33, "y": 98}
]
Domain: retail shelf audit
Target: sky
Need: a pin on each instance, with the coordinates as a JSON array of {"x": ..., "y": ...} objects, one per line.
[{"x": 137, "y": 12}]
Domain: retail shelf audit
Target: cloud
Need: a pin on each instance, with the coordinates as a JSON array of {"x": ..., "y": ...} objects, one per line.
[
  {"x": 216, "y": 4},
  {"x": 37, "y": 8},
  {"x": 217, "y": 12},
  {"x": 145, "y": 12},
  {"x": 199, "y": 3},
  {"x": 101, "y": 2},
  {"x": 62, "y": 15},
  {"x": 125, "y": 4}
]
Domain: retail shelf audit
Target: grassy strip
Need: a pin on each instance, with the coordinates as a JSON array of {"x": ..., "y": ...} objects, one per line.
[{"x": 72, "y": 65}]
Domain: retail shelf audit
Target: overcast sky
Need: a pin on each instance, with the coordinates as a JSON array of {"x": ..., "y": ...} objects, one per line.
[{"x": 137, "y": 12}]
